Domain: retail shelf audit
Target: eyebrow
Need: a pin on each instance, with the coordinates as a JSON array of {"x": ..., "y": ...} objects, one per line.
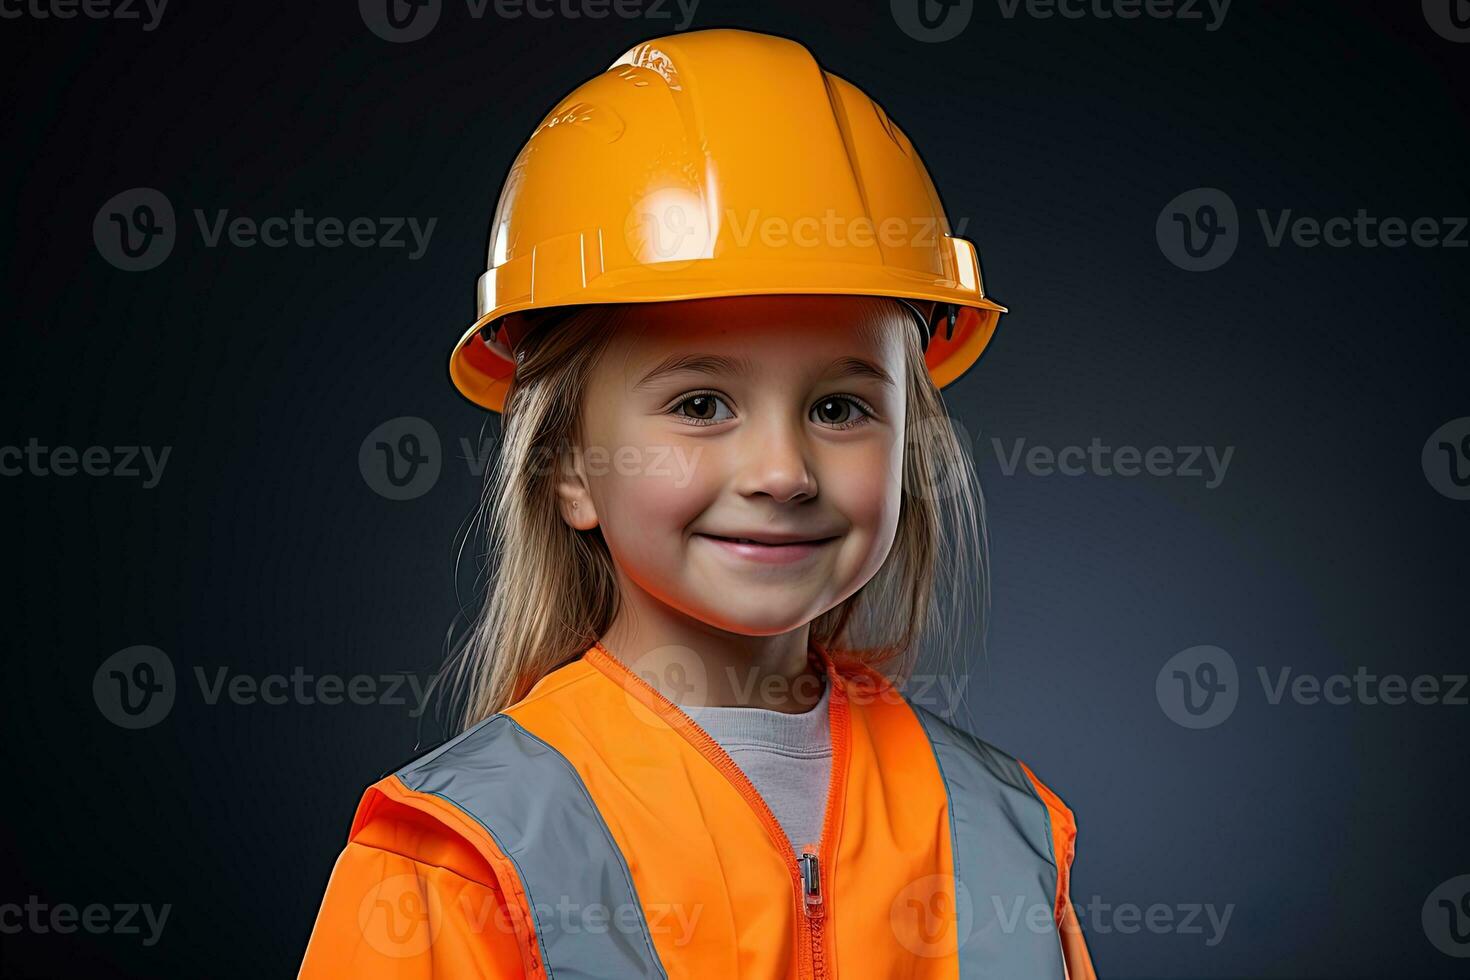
[{"x": 843, "y": 367}]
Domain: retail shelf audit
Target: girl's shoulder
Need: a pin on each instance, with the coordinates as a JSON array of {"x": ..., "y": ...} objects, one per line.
[{"x": 971, "y": 760}]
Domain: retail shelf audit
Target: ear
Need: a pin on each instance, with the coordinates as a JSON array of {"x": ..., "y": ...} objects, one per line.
[{"x": 573, "y": 494}]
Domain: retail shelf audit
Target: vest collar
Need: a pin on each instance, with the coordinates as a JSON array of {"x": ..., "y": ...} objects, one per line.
[{"x": 839, "y": 727}]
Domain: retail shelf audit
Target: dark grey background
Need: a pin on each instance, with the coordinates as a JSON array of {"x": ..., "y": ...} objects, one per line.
[{"x": 264, "y": 549}]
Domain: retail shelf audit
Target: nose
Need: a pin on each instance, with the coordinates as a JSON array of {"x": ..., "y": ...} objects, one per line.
[{"x": 775, "y": 461}]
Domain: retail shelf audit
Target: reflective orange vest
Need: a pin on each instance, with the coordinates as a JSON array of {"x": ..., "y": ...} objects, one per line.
[{"x": 592, "y": 829}]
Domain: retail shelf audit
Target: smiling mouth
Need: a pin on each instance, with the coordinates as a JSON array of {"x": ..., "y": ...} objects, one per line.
[
  {"x": 769, "y": 544},
  {"x": 769, "y": 553}
]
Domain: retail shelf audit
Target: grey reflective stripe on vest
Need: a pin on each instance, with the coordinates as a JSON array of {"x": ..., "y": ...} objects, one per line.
[
  {"x": 534, "y": 805},
  {"x": 1000, "y": 831}
]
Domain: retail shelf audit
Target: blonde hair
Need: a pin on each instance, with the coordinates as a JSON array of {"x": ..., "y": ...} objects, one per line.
[{"x": 552, "y": 591}]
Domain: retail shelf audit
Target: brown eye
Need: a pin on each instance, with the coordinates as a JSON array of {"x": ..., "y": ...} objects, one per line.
[
  {"x": 703, "y": 409},
  {"x": 838, "y": 411}
]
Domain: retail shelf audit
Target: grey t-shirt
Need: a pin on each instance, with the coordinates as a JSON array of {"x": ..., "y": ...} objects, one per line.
[{"x": 787, "y": 757}]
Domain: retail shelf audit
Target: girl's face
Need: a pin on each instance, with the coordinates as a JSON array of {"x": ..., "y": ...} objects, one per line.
[{"x": 774, "y": 418}]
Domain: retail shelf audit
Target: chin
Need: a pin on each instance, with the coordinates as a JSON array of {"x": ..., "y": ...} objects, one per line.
[{"x": 754, "y": 618}]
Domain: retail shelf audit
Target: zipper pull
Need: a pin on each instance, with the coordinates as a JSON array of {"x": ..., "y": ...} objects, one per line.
[{"x": 811, "y": 883}]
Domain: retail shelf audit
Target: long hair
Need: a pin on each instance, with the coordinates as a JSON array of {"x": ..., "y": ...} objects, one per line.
[{"x": 550, "y": 591}]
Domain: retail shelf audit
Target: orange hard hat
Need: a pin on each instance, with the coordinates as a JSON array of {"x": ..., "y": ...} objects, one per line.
[{"x": 720, "y": 163}]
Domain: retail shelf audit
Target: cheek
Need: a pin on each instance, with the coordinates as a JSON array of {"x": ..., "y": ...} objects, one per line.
[
  {"x": 648, "y": 495},
  {"x": 868, "y": 491}
]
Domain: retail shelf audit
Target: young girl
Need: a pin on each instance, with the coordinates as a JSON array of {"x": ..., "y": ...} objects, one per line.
[{"x": 722, "y": 297}]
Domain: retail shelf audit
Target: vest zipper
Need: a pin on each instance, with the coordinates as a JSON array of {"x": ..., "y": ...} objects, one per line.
[
  {"x": 805, "y": 873},
  {"x": 811, "y": 891}
]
